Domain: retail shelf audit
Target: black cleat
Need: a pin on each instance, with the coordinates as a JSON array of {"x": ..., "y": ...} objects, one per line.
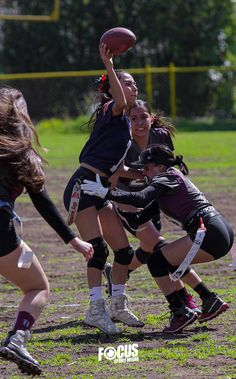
[{"x": 212, "y": 307}]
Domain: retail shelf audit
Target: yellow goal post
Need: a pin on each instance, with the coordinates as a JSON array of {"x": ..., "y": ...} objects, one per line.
[{"x": 52, "y": 17}]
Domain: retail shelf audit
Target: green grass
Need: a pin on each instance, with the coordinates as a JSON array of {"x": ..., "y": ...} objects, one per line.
[
  {"x": 205, "y": 124},
  {"x": 211, "y": 152},
  {"x": 210, "y": 156},
  {"x": 68, "y": 349},
  {"x": 203, "y": 150},
  {"x": 63, "y": 149}
]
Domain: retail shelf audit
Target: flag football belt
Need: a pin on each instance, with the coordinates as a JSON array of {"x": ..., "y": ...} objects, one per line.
[
  {"x": 74, "y": 202},
  {"x": 26, "y": 257},
  {"x": 6, "y": 204},
  {"x": 203, "y": 214},
  {"x": 193, "y": 221},
  {"x": 76, "y": 193},
  {"x": 199, "y": 237}
]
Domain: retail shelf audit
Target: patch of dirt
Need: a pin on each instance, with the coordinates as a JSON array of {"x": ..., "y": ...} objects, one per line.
[{"x": 66, "y": 271}]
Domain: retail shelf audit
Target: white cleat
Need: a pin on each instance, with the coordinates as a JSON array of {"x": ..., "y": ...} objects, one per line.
[
  {"x": 118, "y": 311},
  {"x": 233, "y": 265},
  {"x": 13, "y": 349},
  {"x": 98, "y": 317}
]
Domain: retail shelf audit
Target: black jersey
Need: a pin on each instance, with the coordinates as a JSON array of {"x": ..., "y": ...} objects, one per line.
[
  {"x": 177, "y": 196},
  {"x": 156, "y": 136},
  {"x": 109, "y": 141},
  {"x": 10, "y": 189}
]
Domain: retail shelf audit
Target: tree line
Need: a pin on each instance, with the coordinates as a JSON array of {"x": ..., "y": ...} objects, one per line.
[{"x": 188, "y": 33}]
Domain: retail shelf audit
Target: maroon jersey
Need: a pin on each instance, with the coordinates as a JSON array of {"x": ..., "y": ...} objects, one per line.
[
  {"x": 177, "y": 196},
  {"x": 156, "y": 136}
]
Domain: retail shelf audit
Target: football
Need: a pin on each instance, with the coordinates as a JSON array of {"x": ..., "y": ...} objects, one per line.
[{"x": 118, "y": 40}]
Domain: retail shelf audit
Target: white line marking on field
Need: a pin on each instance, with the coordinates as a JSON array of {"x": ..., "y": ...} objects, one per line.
[
  {"x": 48, "y": 305},
  {"x": 69, "y": 364}
]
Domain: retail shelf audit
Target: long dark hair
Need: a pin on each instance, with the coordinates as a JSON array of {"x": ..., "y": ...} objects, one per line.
[
  {"x": 102, "y": 87},
  {"x": 17, "y": 137},
  {"x": 158, "y": 120},
  {"x": 162, "y": 154}
]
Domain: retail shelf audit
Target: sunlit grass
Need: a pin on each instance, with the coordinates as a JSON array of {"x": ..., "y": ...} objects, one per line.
[{"x": 68, "y": 349}]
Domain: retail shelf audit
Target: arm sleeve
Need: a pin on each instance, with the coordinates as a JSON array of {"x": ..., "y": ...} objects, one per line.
[
  {"x": 51, "y": 215},
  {"x": 138, "y": 199}
]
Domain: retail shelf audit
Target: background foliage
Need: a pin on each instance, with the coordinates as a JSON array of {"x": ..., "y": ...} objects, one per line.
[{"x": 188, "y": 33}]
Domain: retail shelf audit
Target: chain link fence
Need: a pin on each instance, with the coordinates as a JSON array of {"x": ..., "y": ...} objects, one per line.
[{"x": 178, "y": 92}]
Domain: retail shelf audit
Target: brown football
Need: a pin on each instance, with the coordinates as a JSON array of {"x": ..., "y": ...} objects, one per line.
[{"x": 118, "y": 40}]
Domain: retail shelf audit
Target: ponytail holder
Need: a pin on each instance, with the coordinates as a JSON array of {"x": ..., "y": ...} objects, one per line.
[
  {"x": 101, "y": 81},
  {"x": 103, "y": 78}
]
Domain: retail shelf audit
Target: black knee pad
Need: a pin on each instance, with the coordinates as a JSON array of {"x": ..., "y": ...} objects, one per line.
[
  {"x": 163, "y": 267},
  {"x": 124, "y": 256},
  {"x": 141, "y": 255},
  {"x": 157, "y": 264},
  {"x": 160, "y": 244},
  {"x": 100, "y": 255}
]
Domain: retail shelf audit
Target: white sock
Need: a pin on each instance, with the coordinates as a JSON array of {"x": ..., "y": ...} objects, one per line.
[
  {"x": 95, "y": 293},
  {"x": 118, "y": 289}
]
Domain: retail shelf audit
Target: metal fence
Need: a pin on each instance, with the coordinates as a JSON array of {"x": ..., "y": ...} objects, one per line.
[{"x": 178, "y": 91}]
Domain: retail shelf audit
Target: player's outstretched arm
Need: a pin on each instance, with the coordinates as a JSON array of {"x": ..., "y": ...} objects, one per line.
[
  {"x": 115, "y": 87},
  {"x": 51, "y": 215}
]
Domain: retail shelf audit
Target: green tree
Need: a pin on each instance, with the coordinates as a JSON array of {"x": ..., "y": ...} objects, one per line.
[{"x": 188, "y": 33}]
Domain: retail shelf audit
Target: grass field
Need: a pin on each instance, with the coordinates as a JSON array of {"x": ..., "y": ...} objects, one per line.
[{"x": 62, "y": 343}]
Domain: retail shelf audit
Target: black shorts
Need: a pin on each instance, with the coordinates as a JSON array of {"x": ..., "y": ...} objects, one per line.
[
  {"x": 219, "y": 235},
  {"x": 86, "y": 201},
  {"x": 9, "y": 240},
  {"x": 133, "y": 232}
]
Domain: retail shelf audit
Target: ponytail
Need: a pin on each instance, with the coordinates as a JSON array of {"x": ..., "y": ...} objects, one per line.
[
  {"x": 159, "y": 121},
  {"x": 103, "y": 89},
  {"x": 102, "y": 85},
  {"x": 162, "y": 154},
  {"x": 178, "y": 161}
]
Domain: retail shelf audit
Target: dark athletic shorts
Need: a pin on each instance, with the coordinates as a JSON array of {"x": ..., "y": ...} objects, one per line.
[
  {"x": 86, "y": 201},
  {"x": 219, "y": 236},
  {"x": 9, "y": 240},
  {"x": 155, "y": 220}
]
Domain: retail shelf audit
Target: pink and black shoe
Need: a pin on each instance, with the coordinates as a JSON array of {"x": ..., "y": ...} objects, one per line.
[
  {"x": 212, "y": 307},
  {"x": 191, "y": 303},
  {"x": 180, "y": 318}
]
